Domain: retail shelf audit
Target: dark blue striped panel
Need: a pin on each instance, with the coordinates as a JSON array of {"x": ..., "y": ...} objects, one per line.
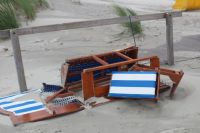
[
  {"x": 130, "y": 95},
  {"x": 115, "y": 60},
  {"x": 73, "y": 78},
  {"x": 29, "y": 109},
  {"x": 128, "y": 83},
  {"x": 20, "y": 104},
  {"x": 135, "y": 72},
  {"x": 90, "y": 64},
  {"x": 51, "y": 88},
  {"x": 2, "y": 103}
]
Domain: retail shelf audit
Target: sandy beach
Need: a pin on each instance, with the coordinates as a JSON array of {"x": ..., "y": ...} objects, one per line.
[{"x": 44, "y": 53}]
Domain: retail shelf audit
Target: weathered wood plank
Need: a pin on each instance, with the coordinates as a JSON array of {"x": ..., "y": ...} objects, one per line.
[
  {"x": 88, "y": 85},
  {"x": 169, "y": 38},
  {"x": 119, "y": 64},
  {"x": 92, "y": 23},
  {"x": 123, "y": 56},
  {"x": 18, "y": 60},
  {"x": 84, "y": 24},
  {"x": 102, "y": 62},
  {"x": 4, "y": 33}
]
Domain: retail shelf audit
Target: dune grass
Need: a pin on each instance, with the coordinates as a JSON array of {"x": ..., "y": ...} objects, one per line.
[
  {"x": 7, "y": 17},
  {"x": 12, "y": 10},
  {"x": 135, "y": 27}
]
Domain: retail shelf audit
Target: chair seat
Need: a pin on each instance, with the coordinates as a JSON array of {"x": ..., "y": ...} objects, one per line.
[{"x": 133, "y": 84}]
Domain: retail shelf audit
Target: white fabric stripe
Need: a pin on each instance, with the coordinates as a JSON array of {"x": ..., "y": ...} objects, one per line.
[
  {"x": 12, "y": 98},
  {"x": 143, "y": 77},
  {"x": 14, "y": 103},
  {"x": 24, "y": 107},
  {"x": 132, "y": 90},
  {"x": 29, "y": 112}
]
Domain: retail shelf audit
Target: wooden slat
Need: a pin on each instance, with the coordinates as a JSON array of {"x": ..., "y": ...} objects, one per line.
[
  {"x": 99, "y": 60},
  {"x": 102, "y": 90},
  {"x": 88, "y": 85},
  {"x": 93, "y": 23},
  {"x": 4, "y": 33},
  {"x": 18, "y": 60},
  {"x": 155, "y": 62},
  {"x": 169, "y": 38},
  {"x": 123, "y": 56},
  {"x": 105, "y": 54},
  {"x": 118, "y": 64},
  {"x": 86, "y": 24},
  {"x": 64, "y": 73}
]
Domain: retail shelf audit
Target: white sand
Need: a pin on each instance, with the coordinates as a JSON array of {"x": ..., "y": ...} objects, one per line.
[{"x": 43, "y": 55}]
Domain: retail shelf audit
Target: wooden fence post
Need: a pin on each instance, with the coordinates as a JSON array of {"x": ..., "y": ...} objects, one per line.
[
  {"x": 169, "y": 37},
  {"x": 18, "y": 60}
]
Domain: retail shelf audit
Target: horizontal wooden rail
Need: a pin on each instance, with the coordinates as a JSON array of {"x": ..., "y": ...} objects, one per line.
[
  {"x": 4, "y": 33},
  {"x": 102, "y": 62},
  {"x": 123, "y": 56},
  {"x": 15, "y": 33},
  {"x": 88, "y": 23},
  {"x": 100, "y": 55},
  {"x": 118, "y": 64}
]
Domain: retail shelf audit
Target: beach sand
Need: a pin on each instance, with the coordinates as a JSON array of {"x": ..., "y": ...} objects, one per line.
[{"x": 44, "y": 53}]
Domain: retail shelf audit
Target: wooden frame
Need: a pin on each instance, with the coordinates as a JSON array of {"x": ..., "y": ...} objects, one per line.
[
  {"x": 44, "y": 114},
  {"x": 103, "y": 59},
  {"x": 175, "y": 76},
  {"x": 15, "y": 33},
  {"x": 91, "y": 89}
]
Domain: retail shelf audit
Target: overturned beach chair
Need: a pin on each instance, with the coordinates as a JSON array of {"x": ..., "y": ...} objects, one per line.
[{"x": 92, "y": 74}]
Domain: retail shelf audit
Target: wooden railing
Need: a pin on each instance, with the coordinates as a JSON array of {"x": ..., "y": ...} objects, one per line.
[{"x": 15, "y": 33}]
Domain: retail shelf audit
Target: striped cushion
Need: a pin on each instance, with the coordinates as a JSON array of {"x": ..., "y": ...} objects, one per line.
[
  {"x": 22, "y": 107},
  {"x": 133, "y": 84},
  {"x": 10, "y": 97}
]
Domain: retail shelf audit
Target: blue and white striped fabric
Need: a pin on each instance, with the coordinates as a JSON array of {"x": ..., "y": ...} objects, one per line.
[
  {"x": 133, "y": 84},
  {"x": 22, "y": 107},
  {"x": 10, "y": 97}
]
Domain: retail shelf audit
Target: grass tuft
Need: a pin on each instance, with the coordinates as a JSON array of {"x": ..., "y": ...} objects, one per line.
[
  {"x": 7, "y": 16},
  {"x": 121, "y": 11},
  {"x": 12, "y": 10}
]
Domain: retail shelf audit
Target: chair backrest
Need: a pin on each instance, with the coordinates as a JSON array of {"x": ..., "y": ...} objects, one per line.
[{"x": 134, "y": 84}]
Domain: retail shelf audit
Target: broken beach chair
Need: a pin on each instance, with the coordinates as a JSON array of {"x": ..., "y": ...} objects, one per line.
[
  {"x": 61, "y": 104},
  {"x": 71, "y": 70},
  {"x": 92, "y": 74},
  {"x": 92, "y": 88},
  {"x": 134, "y": 84}
]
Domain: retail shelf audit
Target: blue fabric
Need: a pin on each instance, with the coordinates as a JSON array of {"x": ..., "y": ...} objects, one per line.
[
  {"x": 7, "y": 102},
  {"x": 6, "y": 97},
  {"x": 128, "y": 83},
  {"x": 91, "y": 64},
  {"x": 130, "y": 95},
  {"x": 51, "y": 88},
  {"x": 29, "y": 109},
  {"x": 132, "y": 84},
  {"x": 19, "y": 105}
]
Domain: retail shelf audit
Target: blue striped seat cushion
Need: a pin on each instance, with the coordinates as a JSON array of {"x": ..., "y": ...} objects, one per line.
[
  {"x": 22, "y": 107},
  {"x": 133, "y": 84},
  {"x": 10, "y": 97}
]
